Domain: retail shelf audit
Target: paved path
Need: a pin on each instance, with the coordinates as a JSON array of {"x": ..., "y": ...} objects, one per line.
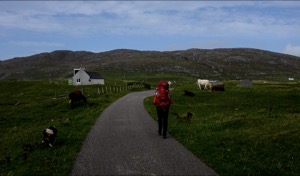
[{"x": 124, "y": 141}]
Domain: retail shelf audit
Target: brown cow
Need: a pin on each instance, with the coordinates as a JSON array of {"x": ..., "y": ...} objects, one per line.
[
  {"x": 75, "y": 97},
  {"x": 218, "y": 87}
]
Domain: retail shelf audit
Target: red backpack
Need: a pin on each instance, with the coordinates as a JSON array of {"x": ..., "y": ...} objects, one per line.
[{"x": 161, "y": 96}]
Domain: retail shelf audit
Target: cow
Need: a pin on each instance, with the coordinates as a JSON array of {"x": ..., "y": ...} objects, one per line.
[
  {"x": 218, "y": 87},
  {"x": 75, "y": 97},
  {"x": 203, "y": 82},
  {"x": 188, "y": 93},
  {"x": 49, "y": 136}
]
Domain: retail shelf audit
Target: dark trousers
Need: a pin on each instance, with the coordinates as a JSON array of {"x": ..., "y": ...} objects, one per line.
[{"x": 162, "y": 114}]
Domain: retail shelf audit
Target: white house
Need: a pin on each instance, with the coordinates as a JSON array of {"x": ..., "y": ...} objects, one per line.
[
  {"x": 84, "y": 77},
  {"x": 291, "y": 79}
]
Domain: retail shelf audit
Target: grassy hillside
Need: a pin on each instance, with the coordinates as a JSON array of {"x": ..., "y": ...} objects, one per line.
[
  {"x": 229, "y": 63},
  {"x": 241, "y": 131}
]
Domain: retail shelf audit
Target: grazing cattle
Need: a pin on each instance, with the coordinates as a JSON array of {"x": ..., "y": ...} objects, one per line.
[
  {"x": 75, "y": 97},
  {"x": 203, "y": 82},
  {"x": 188, "y": 93},
  {"x": 49, "y": 136},
  {"x": 218, "y": 87}
]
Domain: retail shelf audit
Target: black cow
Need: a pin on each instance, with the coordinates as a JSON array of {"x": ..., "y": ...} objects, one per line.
[
  {"x": 188, "y": 93},
  {"x": 75, "y": 97},
  {"x": 49, "y": 136}
]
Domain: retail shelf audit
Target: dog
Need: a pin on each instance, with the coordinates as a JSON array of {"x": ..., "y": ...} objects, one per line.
[{"x": 186, "y": 117}]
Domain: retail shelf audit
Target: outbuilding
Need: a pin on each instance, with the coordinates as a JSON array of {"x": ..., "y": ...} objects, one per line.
[{"x": 246, "y": 83}]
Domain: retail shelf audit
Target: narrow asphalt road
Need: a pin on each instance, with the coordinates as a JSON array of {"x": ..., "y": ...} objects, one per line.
[{"x": 124, "y": 141}]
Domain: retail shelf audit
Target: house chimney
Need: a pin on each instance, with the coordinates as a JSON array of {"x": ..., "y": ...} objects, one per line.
[{"x": 82, "y": 67}]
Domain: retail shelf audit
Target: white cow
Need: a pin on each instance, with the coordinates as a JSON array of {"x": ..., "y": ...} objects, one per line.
[{"x": 204, "y": 82}]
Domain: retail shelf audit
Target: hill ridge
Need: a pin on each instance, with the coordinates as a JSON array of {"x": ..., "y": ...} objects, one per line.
[{"x": 218, "y": 63}]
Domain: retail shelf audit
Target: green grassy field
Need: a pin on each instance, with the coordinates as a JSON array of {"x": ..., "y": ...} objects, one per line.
[
  {"x": 28, "y": 107},
  {"x": 242, "y": 131}
]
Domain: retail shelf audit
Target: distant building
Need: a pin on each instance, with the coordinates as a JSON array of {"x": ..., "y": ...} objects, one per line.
[
  {"x": 83, "y": 77},
  {"x": 246, "y": 83},
  {"x": 291, "y": 79}
]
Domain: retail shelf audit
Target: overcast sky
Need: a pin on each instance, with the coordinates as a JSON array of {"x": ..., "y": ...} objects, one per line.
[{"x": 32, "y": 27}]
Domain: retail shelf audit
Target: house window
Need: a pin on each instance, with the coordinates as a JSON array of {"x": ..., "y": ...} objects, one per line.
[{"x": 78, "y": 80}]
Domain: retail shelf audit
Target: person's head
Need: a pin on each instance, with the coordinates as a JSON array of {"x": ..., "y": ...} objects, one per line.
[
  {"x": 165, "y": 86},
  {"x": 162, "y": 84}
]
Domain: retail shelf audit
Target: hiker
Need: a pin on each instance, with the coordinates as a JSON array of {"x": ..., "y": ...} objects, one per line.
[{"x": 162, "y": 101}]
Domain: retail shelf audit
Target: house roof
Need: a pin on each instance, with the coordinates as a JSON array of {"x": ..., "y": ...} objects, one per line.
[{"x": 94, "y": 75}]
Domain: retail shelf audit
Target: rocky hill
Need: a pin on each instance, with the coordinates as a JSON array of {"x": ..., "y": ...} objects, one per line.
[{"x": 234, "y": 63}]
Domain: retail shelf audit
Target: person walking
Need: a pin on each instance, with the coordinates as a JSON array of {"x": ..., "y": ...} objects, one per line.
[{"x": 162, "y": 100}]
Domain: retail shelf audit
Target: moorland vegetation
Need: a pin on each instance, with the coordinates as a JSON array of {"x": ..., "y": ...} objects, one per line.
[{"x": 223, "y": 63}]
